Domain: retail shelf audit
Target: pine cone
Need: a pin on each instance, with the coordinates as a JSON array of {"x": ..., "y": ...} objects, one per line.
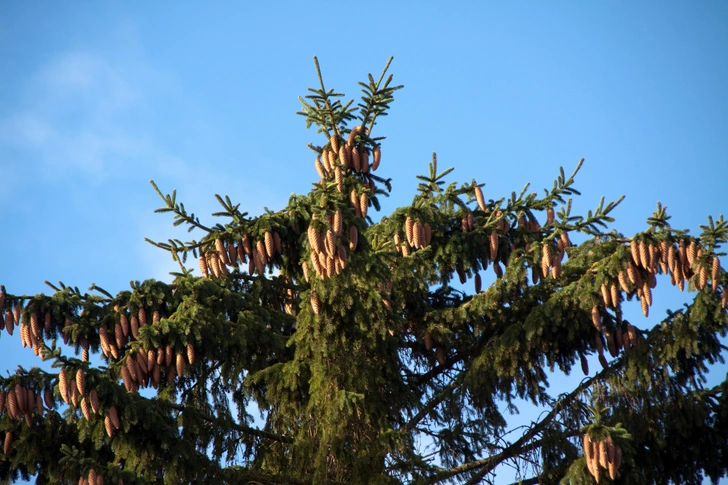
[
  {"x": 80, "y": 382},
  {"x": 479, "y": 198},
  {"x": 354, "y": 197},
  {"x": 416, "y": 234},
  {"x": 94, "y": 401},
  {"x": 12, "y": 403},
  {"x": 497, "y": 270},
  {"x": 47, "y": 397},
  {"x": 356, "y": 160},
  {"x": 114, "y": 417},
  {"x": 429, "y": 343},
  {"x": 232, "y": 253},
  {"x": 545, "y": 259},
  {"x": 584, "y": 364},
  {"x": 645, "y": 255},
  {"x": 364, "y": 203},
  {"x": 168, "y": 355},
  {"x": 10, "y": 322},
  {"x": 190, "y": 353},
  {"x": 606, "y": 296},
  {"x": 63, "y": 384},
  {"x": 345, "y": 156},
  {"x": 86, "y": 409},
  {"x": 596, "y": 318},
  {"x": 8, "y": 444},
  {"x": 35, "y": 325},
  {"x": 376, "y": 157},
  {"x": 270, "y": 245},
  {"x": 334, "y": 142},
  {"x": 221, "y": 253},
  {"x": 478, "y": 283},
  {"x": 339, "y": 177},
  {"x": 614, "y": 293},
  {"x": 692, "y": 253},
  {"x": 180, "y": 362},
  {"x": 634, "y": 248},
  {"x": 603, "y": 361},
  {"x": 320, "y": 169},
  {"x": 493, "y": 246},
  {"x": 724, "y": 298},
  {"x": 315, "y": 304},
  {"x": 440, "y": 355},
  {"x": 715, "y": 272},
  {"x": 109, "y": 426},
  {"x": 353, "y": 238},
  {"x": 550, "y": 215},
  {"x": 126, "y": 378},
  {"x": 242, "y": 257}
]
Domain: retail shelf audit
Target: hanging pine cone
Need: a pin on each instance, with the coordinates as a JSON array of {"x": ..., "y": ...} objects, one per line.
[
  {"x": 108, "y": 426},
  {"x": 614, "y": 293},
  {"x": 356, "y": 160},
  {"x": 479, "y": 198},
  {"x": 416, "y": 234},
  {"x": 86, "y": 409},
  {"x": 634, "y": 248},
  {"x": 550, "y": 215},
  {"x": 10, "y": 322},
  {"x": 376, "y": 157},
  {"x": 80, "y": 382},
  {"x": 440, "y": 355},
  {"x": 320, "y": 169},
  {"x": 63, "y": 384},
  {"x": 596, "y": 318},
  {"x": 353, "y": 238},
  {"x": 715, "y": 272},
  {"x": 364, "y": 204},
  {"x": 270, "y": 245},
  {"x": 644, "y": 255},
  {"x": 315, "y": 304},
  {"x": 180, "y": 363},
  {"x": 584, "y": 364},
  {"x": 8, "y": 443},
  {"x": 545, "y": 259},
  {"x": 355, "y": 202},
  {"x": 478, "y": 283},
  {"x": 493, "y": 246},
  {"x": 47, "y": 398},
  {"x": 114, "y": 417}
]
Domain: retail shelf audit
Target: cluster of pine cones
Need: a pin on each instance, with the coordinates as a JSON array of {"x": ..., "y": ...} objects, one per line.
[
  {"x": 257, "y": 254},
  {"x": 353, "y": 156},
  {"x": 602, "y": 454}
]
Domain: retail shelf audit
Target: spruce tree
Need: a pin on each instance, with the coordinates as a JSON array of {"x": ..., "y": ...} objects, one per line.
[{"x": 361, "y": 336}]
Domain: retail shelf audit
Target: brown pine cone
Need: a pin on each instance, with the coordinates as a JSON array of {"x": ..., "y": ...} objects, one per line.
[
  {"x": 320, "y": 169},
  {"x": 596, "y": 318},
  {"x": 190, "y": 353},
  {"x": 645, "y": 255},
  {"x": 86, "y": 409},
  {"x": 356, "y": 160},
  {"x": 114, "y": 417},
  {"x": 109, "y": 426},
  {"x": 47, "y": 397},
  {"x": 364, "y": 204},
  {"x": 180, "y": 363},
  {"x": 493, "y": 246},
  {"x": 440, "y": 355},
  {"x": 606, "y": 296},
  {"x": 345, "y": 156},
  {"x": 80, "y": 382},
  {"x": 63, "y": 384},
  {"x": 232, "y": 253},
  {"x": 8, "y": 444},
  {"x": 353, "y": 238},
  {"x": 377, "y": 157},
  {"x": 315, "y": 304},
  {"x": 270, "y": 245},
  {"x": 584, "y": 364},
  {"x": 478, "y": 283},
  {"x": 634, "y": 248}
]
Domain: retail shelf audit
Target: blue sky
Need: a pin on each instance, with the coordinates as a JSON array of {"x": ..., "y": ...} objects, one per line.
[{"x": 99, "y": 97}]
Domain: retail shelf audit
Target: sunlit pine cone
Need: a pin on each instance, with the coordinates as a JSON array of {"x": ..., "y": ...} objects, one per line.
[
  {"x": 702, "y": 277},
  {"x": 126, "y": 378},
  {"x": 724, "y": 298},
  {"x": 479, "y": 198},
  {"x": 262, "y": 251},
  {"x": 645, "y": 306},
  {"x": 330, "y": 243},
  {"x": 35, "y": 324},
  {"x": 615, "y": 463},
  {"x": 314, "y": 240},
  {"x": 108, "y": 426},
  {"x": 247, "y": 245},
  {"x": 168, "y": 355},
  {"x": 270, "y": 245},
  {"x": 603, "y": 456},
  {"x": 221, "y": 251},
  {"x": 304, "y": 268},
  {"x": 565, "y": 239},
  {"x": 606, "y": 296},
  {"x": 353, "y": 238},
  {"x": 634, "y": 275},
  {"x": 134, "y": 324},
  {"x": 315, "y": 304},
  {"x": 715, "y": 272},
  {"x": 345, "y": 157},
  {"x": 356, "y": 160},
  {"x": 17, "y": 308},
  {"x": 408, "y": 229},
  {"x": 645, "y": 255},
  {"x": 86, "y": 409},
  {"x": 25, "y": 336},
  {"x": 596, "y": 319},
  {"x": 334, "y": 142},
  {"x": 342, "y": 256},
  {"x": 320, "y": 169},
  {"x": 364, "y": 204},
  {"x": 416, "y": 235},
  {"x": 493, "y": 246},
  {"x": 592, "y": 462},
  {"x": 654, "y": 257},
  {"x": 634, "y": 248},
  {"x": 131, "y": 366},
  {"x": 143, "y": 317},
  {"x": 545, "y": 259},
  {"x": 647, "y": 292},
  {"x": 9, "y": 322},
  {"x": 63, "y": 384},
  {"x": 614, "y": 293},
  {"x": 338, "y": 222},
  {"x": 330, "y": 266},
  {"x": 680, "y": 277},
  {"x": 376, "y": 157},
  {"x": 692, "y": 253}
]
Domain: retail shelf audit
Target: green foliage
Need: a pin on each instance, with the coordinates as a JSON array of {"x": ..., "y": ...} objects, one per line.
[{"x": 366, "y": 356}]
